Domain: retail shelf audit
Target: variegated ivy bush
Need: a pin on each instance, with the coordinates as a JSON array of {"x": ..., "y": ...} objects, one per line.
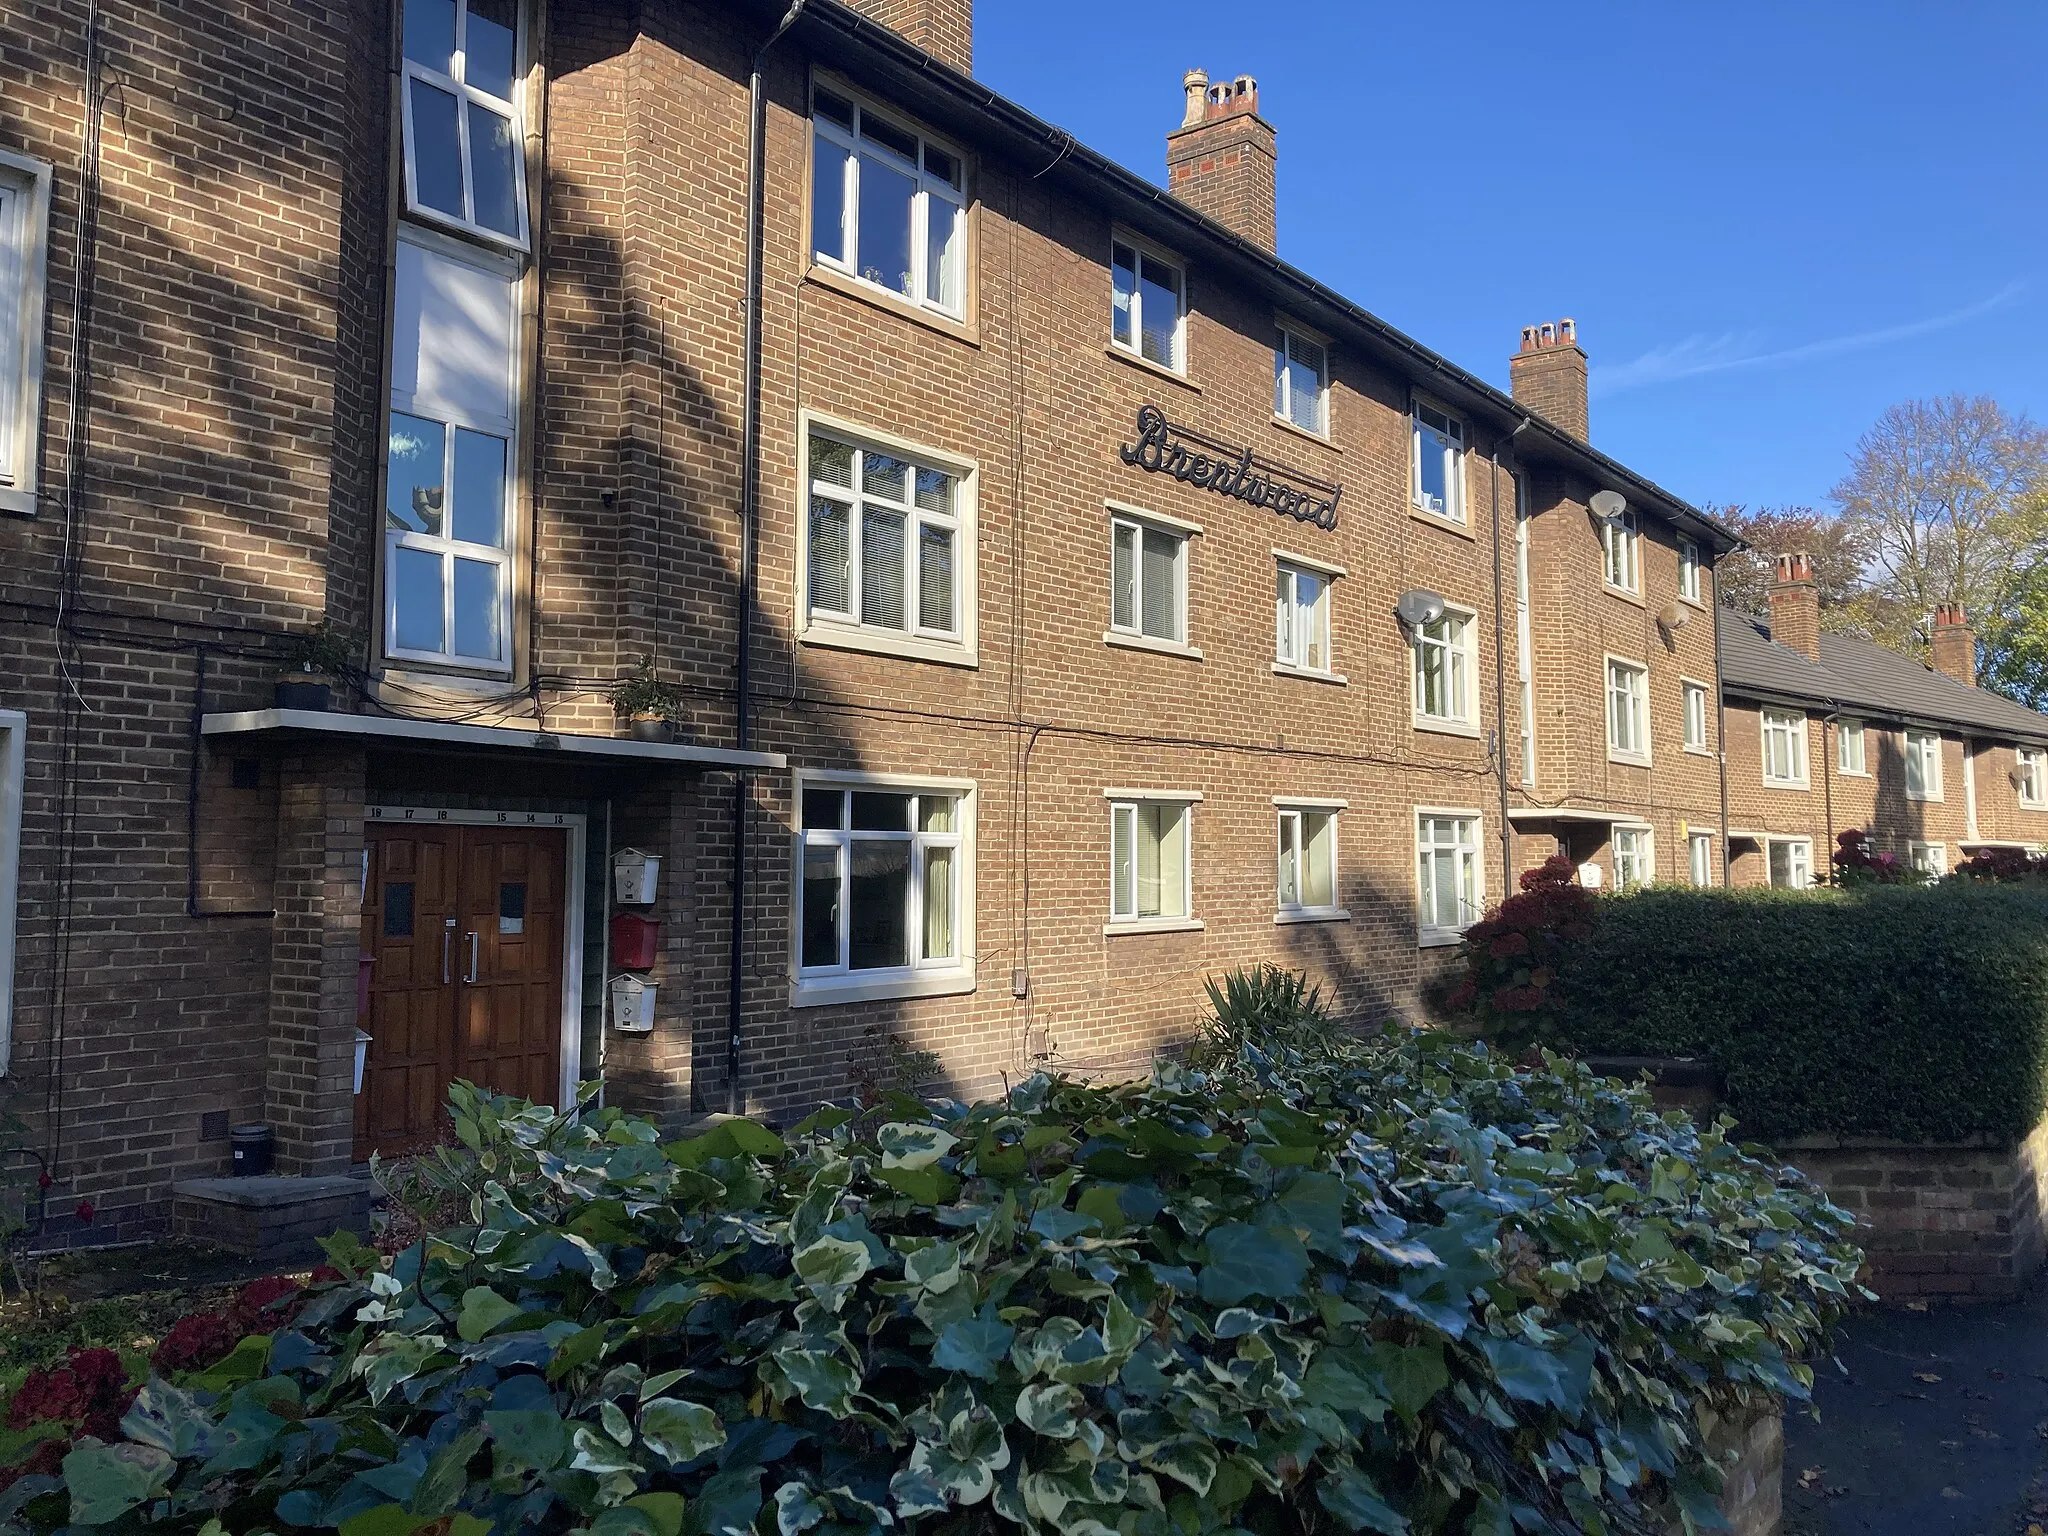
[{"x": 1312, "y": 1285}]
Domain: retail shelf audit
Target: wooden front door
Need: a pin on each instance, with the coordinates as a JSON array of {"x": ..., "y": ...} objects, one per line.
[{"x": 465, "y": 925}]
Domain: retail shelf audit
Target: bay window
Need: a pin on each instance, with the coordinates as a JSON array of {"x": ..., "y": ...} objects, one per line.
[
  {"x": 881, "y": 889},
  {"x": 888, "y": 206},
  {"x": 1150, "y": 879},
  {"x": 449, "y": 460},
  {"x": 465, "y": 153}
]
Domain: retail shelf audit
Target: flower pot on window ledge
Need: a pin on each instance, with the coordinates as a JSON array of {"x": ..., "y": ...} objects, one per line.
[
  {"x": 303, "y": 690},
  {"x": 653, "y": 728},
  {"x": 314, "y": 661}
]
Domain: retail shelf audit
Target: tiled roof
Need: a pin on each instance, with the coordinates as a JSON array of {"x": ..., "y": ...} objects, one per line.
[{"x": 1856, "y": 674}]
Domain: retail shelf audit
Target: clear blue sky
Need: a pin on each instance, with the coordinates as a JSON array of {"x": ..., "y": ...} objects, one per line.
[{"x": 1771, "y": 221}]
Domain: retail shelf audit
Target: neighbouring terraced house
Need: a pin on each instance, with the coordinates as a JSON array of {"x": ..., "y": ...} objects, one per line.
[{"x": 1059, "y": 596}]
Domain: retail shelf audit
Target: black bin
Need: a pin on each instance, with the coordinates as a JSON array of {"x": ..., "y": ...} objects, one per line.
[{"x": 253, "y": 1145}]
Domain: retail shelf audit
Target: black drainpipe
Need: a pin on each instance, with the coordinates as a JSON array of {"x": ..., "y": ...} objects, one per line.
[
  {"x": 750, "y": 515},
  {"x": 1721, "y": 733}
]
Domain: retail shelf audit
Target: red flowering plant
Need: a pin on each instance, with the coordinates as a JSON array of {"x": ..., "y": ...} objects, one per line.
[
  {"x": 1998, "y": 865},
  {"x": 1511, "y": 955},
  {"x": 86, "y": 1395},
  {"x": 1857, "y": 863}
]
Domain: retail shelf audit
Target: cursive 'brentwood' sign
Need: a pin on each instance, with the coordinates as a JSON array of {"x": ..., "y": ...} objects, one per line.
[{"x": 1163, "y": 448}]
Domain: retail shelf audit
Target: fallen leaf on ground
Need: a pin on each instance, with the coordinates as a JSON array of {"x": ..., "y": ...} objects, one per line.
[
  {"x": 1810, "y": 1476},
  {"x": 1925, "y": 1376}
]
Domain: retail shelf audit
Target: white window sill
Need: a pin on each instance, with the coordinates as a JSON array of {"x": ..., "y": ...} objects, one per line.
[
  {"x": 1139, "y": 360},
  {"x": 1699, "y": 603},
  {"x": 1799, "y": 785},
  {"x": 1862, "y": 773},
  {"x": 882, "y": 642},
  {"x": 1923, "y": 799},
  {"x": 1623, "y": 593},
  {"x": 1150, "y": 643},
  {"x": 17, "y": 503},
  {"x": 956, "y": 326},
  {"x": 1629, "y": 759},
  {"x": 1438, "y": 938},
  {"x": 1430, "y": 723},
  {"x": 817, "y": 992},
  {"x": 1308, "y": 674},
  {"x": 1310, "y": 433},
  {"x": 2034, "y": 805},
  {"x": 1312, "y": 915},
  {"x": 1129, "y": 925},
  {"x": 1700, "y": 751},
  {"x": 1443, "y": 520}
]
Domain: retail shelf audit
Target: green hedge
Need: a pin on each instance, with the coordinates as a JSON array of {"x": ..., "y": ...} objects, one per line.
[{"x": 1916, "y": 1014}]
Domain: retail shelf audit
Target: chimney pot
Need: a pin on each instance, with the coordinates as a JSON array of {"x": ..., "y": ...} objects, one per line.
[
  {"x": 1953, "y": 643},
  {"x": 1548, "y": 374},
  {"x": 1195, "y": 85},
  {"x": 1219, "y": 161},
  {"x": 1795, "y": 604}
]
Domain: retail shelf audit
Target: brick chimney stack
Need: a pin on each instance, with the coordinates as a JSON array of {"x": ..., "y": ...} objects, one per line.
[
  {"x": 942, "y": 28},
  {"x": 1549, "y": 375},
  {"x": 1795, "y": 605},
  {"x": 1220, "y": 160},
  {"x": 1954, "y": 643}
]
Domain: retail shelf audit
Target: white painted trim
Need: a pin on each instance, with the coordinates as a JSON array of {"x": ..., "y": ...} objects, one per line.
[
  {"x": 1705, "y": 748},
  {"x": 1311, "y": 675},
  {"x": 1160, "y": 520},
  {"x": 1152, "y": 643},
  {"x": 1969, "y": 789},
  {"x": 1431, "y": 936},
  {"x": 13, "y": 768},
  {"x": 511, "y": 738},
  {"x": 1287, "y": 915},
  {"x": 1640, "y": 759},
  {"x": 18, "y": 494},
  {"x": 574, "y": 852},
  {"x": 1309, "y": 562},
  {"x": 1130, "y": 925},
  {"x": 1448, "y": 725},
  {"x": 1309, "y": 803},
  {"x": 1164, "y": 796}
]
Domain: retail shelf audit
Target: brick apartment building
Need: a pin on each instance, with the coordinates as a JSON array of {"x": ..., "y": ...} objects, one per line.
[
  {"x": 1829, "y": 733},
  {"x": 1062, "y": 598}
]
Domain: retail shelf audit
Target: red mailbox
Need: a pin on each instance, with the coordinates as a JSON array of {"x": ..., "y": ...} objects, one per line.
[{"x": 633, "y": 941}]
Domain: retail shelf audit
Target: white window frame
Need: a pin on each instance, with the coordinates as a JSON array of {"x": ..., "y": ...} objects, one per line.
[
  {"x": 1123, "y": 904},
  {"x": 1925, "y": 748},
  {"x": 1689, "y": 568},
  {"x": 931, "y": 187},
  {"x": 1290, "y": 337},
  {"x": 845, "y": 632},
  {"x": 1621, "y": 553},
  {"x": 1463, "y": 647},
  {"x": 1791, "y": 724},
  {"x": 24, "y": 269},
  {"x": 1699, "y": 858},
  {"x": 1454, "y": 510},
  {"x": 1692, "y": 691},
  {"x": 1288, "y": 569},
  {"x": 464, "y": 93},
  {"x": 1286, "y": 806},
  {"x": 1929, "y": 859},
  {"x": 815, "y": 985},
  {"x": 1847, "y": 731},
  {"x": 1643, "y": 856},
  {"x": 13, "y": 770},
  {"x": 510, "y": 555},
  {"x": 1147, "y": 253},
  {"x": 1636, "y": 753},
  {"x": 1802, "y": 854},
  {"x": 1133, "y": 636},
  {"x": 2031, "y": 764},
  {"x": 1428, "y": 934}
]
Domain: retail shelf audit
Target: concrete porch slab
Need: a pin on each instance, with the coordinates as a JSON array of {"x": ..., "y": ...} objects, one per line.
[{"x": 276, "y": 1219}]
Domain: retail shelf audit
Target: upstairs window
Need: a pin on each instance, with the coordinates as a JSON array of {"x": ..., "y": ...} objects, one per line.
[
  {"x": 1301, "y": 618},
  {"x": 1688, "y": 569},
  {"x": 24, "y": 226},
  {"x": 882, "y": 541},
  {"x": 2031, "y": 771},
  {"x": 1923, "y": 765},
  {"x": 1308, "y": 860},
  {"x": 1148, "y": 581},
  {"x": 1784, "y": 734},
  {"x": 1148, "y": 305},
  {"x": 1443, "y": 670},
  {"x": 1628, "y": 711},
  {"x": 1148, "y": 860},
  {"x": 449, "y": 456},
  {"x": 888, "y": 206},
  {"x": 1849, "y": 749},
  {"x": 465, "y": 155},
  {"x": 1437, "y": 467},
  {"x": 1695, "y": 695},
  {"x": 1301, "y": 382},
  {"x": 883, "y": 867},
  {"x": 1622, "y": 543}
]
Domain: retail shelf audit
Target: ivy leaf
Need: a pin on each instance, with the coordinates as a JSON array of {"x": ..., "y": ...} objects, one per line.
[
  {"x": 831, "y": 1267},
  {"x": 680, "y": 1431},
  {"x": 382, "y": 1520},
  {"x": 726, "y": 1504},
  {"x": 664, "y": 1509},
  {"x": 1412, "y": 1374},
  {"x": 446, "y": 1477},
  {"x": 1052, "y": 1409},
  {"x": 912, "y": 1147},
  {"x": 927, "y": 1186},
  {"x": 170, "y": 1419},
  {"x": 106, "y": 1481},
  {"x": 824, "y": 1381},
  {"x": 1245, "y": 1261},
  {"x": 1350, "y": 1495},
  {"x": 533, "y": 1439},
  {"x": 482, "y": 1310},
  {"x": 973, "y": 1345},
  {"x": 1559, "y": 1377},
  {"x": 1189, "y": 1459}
]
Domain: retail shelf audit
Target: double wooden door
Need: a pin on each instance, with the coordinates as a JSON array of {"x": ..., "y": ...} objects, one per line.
[{"x": 464, "y": 925}]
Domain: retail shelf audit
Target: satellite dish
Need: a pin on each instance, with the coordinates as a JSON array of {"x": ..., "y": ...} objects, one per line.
[
  {"x": 1418, "y": 606},
  {"x": 1608, "y": 505},
  {"x": 1672, "y": 616}
]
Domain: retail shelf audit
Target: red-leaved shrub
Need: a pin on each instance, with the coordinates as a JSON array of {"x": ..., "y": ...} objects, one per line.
[
  {"x": 266, "y": 1305},
  {"x": 1998, "y": 865},
  {"x": 196, "y": 1342},
  {"x": 1857, "y": 864},
  {"x": 88, "y": 1393},
  {"x": 1511, "y": 956}
]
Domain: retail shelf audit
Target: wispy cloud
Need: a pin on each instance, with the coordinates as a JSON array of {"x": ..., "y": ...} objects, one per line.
[{"x": 1744, "y": 349}]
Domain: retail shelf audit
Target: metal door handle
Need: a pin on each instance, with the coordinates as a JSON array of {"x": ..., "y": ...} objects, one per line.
[
  {"x": 446, "y": 935},
  {"x": 471, "y": 977}
]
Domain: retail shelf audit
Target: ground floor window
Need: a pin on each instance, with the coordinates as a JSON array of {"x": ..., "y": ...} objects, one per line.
[
  {"x": 1790, "y": 862},
  {"x": 881, "y": 893},
  {"x": 1699, "y": 853},
  {"x": 1450, "y": 890},
  {"x": 1149, "y": 868},
  {"x": 1632, "y": 858},
  {"x": 1308, "y": 860},
  {"x": 1931, "y": 859}
]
